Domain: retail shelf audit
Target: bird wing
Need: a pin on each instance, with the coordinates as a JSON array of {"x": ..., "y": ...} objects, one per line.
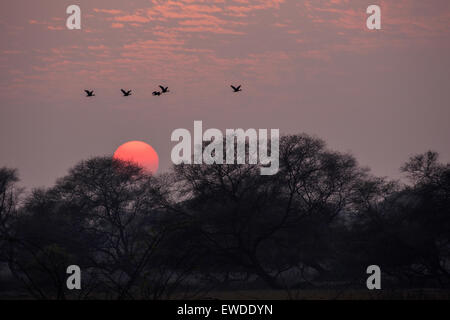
[
  {"x": 128, "y": 92},
  {"x": 162, "y": 88},
  {"x": 87, "y": 91},
  {"x": 234, "y": 88},
  {"x": 123, "y": 91},
  {"x": 238, "y": 88}
]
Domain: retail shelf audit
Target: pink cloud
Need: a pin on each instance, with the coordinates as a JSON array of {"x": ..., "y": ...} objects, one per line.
[
  {"x": 109, "y": 11},
  {"x": 132, "y": 18},
  {"x": 55, "y": 28}
]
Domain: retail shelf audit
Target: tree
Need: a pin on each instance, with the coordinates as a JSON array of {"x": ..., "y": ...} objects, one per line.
[
  {"x": 117, "y": 204},
  {"x": 407, "y": 232},
  {"x": 267, "y": 226},
  {"x": 9, "y": 199},
  {"x": 321, "y": 220}
]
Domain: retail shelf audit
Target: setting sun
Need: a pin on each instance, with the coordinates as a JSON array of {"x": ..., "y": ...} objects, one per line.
[{"x": 139, "y": 152}]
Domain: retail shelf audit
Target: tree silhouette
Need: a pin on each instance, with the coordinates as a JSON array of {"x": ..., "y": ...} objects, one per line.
[{"x": 319, "y": 222}]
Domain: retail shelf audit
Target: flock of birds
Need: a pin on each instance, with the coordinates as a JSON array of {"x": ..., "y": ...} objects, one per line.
[{"x": 127, "y": 93}]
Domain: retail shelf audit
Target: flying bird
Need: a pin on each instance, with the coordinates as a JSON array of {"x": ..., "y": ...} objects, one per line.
[
  {"x": 89, "y": 93},
  {"x": 156, "y": 93},
  {"x": 164, "y": 89},
  {"x": 236, "y": 89},
  {"x": 126, "y": 93}
]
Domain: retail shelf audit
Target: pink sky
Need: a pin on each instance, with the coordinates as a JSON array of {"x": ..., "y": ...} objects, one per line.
[{"x": 305, "y": 66}]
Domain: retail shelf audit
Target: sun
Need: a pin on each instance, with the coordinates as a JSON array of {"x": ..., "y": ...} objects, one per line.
[{"x": 139, "y": 152}]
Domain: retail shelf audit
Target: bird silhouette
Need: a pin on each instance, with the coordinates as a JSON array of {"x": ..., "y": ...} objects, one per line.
[
  {"x": 236, "y": 89},
  {"x": 89, "y": 93},
  {"x": 156, "y": 93},
  {"x": 164, "y": 89},
  {"x": 126, "y": 93}
]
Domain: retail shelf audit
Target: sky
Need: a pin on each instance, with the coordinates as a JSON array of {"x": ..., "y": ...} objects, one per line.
[{"x": 306, "y": 66}]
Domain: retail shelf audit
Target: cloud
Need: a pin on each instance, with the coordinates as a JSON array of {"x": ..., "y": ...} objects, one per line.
[
  {"x": 109, "y": 11},
  {"x": 132, "y": 18},
  {"x": 117, "y": 25},
  {"x": 194, "y": 39}
]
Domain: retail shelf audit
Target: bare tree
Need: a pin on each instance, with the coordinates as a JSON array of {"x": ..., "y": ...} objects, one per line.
[
  {"x": 9, "y": 199},
  {"x": 267, "y": 226}
]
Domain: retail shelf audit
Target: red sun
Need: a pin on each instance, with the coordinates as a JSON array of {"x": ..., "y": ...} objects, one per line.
[{"x": 139, "y": 152}]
